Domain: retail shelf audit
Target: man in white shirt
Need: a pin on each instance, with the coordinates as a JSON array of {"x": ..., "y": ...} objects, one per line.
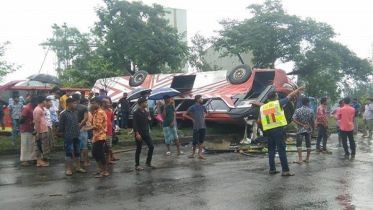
[
  {"x": 368, "y": 119},
  {"x": 48, "y": 144}
]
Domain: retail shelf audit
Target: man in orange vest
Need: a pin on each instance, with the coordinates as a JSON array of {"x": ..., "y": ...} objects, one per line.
[{"x": 273, "y": 121}]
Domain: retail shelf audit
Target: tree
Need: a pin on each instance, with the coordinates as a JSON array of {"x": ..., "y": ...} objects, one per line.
[
  {"x": 198, "y": 52},
  {"x": 271, "y": 34},
  {"x": 6, "y": 67},
  {"x": 137, "y": 35},
  {"x": 69, "y": 44}
]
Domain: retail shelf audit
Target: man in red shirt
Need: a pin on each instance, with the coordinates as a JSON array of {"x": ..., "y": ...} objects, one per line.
[
  {"x": 109, "y": 132},
  {"x": 26, "y": 128},
  {"x": 322, "y": 126},
  {"x": 346, "y": 115}
]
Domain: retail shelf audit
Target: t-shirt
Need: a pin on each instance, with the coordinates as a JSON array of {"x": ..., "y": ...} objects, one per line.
[
  {"x": 346, "y": 114},
  {"x": 39, "y": 113},
  {"x": 151, "y": 105},
  {"x": 198, "y": 114},
  {"x": 124, "y": 104},
  {"x": 81, "y": 111},
  {"x": 170, "y": 112},
  {"x": 2, "y": 104},
  {"x": 100, "y": 97},
  {"x": 356, "y": 106},
  {"x": 48, "y": 117},
  {"x": 69, "y": 124},
  {"x": 27, "y": 115},
  {"x": 63, "y": 101},
  {"x": 110, "y": 118},
  {"x": 15, "y": 110},
  {"x": 306, "y": 116}
]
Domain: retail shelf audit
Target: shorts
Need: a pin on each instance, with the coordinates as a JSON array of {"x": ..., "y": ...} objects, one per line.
[
  {"x": 109, "y": 143},
  {"x": 198, "y": 136},
  {"x": 170, "y": 135},
  {"x": 338, "y": 130},
  {"x": 300, "y": 137},
  {"x": 83, "y": 140}
]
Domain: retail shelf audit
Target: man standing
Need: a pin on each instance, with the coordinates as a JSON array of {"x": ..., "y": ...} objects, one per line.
[
  {"x": 16, "y": 93},
  {"x": 27, "y": 127},
  {"x": 99, "y": 127},
  {"x": 141, "y": 121},
  {"x": 29, "y": 95},
  {"x": 169, "y": 125},
  {"x": 15, "y": 112},
  {"x": 273, "y": 121},
  {"x": 47, "y": 145},
  {"x": 198, "y": 112},
  {"x": 338, "y": 122},
  {"x": 356, "y": 106},
  {"x": 64, "y": 98},
  {"x": 109, "y": 130},
  {"x": 82, "y": 112},
  {"x": 322, "y": 126},
  {"x": 41, "y": 131},
  {"x": 124, "y": 110},
  {"x": 69, "y": 126},
  {"x": 3, "y": 105},
  {"x": 103, "y": 94},
  {"x": 304, "y": 118},
  {"x": 346, "y": 114},
  {"x": 368, "y": 119}
]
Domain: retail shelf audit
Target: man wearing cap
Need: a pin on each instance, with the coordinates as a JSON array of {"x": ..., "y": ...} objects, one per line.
[
  {"x": 169, "y": 125},
  {"x": 141, "y": 120}
]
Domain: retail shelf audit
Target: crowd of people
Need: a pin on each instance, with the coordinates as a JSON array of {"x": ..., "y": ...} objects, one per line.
[
  {"x": 273, "y": 121},
  {"x": 83, "y": 120},
  {"x": 79, "y": 120}
]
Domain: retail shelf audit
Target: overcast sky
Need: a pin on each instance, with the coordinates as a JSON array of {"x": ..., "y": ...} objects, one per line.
[{"x": 27, "y": 23}]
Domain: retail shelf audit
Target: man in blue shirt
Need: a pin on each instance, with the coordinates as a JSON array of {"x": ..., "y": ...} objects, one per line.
[
  {"x": 356, "y": 106},
  {"x": 103, "y": 94}
]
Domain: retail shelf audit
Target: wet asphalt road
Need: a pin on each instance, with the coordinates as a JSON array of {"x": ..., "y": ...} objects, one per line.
[{"x": 223, "y": 181}]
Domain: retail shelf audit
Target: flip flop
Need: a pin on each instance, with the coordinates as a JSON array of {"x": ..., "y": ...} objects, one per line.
[
  {"x": 69, "y": 173},
  {"x": 25, "y": 164},
  {"x": 106, "y": 175},
  {"x": 80, "y": 170},
  {"x": 42, "y": 165},
  {"x": 97, "y": 173},
  {"x": 287, "y": 174},
  {"x": 99, "y": 176},
  {"x": 139, "y": 168},
  {"x": 191, "y": 156},
  {"x": 305, "y": 161},
  {"x": 298, "y": 162},
  {"x": 202, "y": 158}
]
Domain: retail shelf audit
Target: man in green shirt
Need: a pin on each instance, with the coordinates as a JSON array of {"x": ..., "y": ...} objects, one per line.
[{"x": 169, "y": 128}]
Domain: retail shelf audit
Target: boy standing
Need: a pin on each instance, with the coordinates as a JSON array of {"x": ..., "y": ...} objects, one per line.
[
  {"x": 15, "y": 112},
  {"x": 69, "y": 126},
  {"x": 169, "y": 125},
  {"x": 41, "y": 131},
  {"x": 304, "y": 118},
  {"x": 141, "y": 119},
  {"x": 99, "y": 127}
]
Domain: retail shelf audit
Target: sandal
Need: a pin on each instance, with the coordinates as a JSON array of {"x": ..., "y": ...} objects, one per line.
[
  {"x": 274, "y": 172},
  {"x": 306, "y": 161},
  {"x": 168, "y": 153},
  {"x": 181, "y": 153},
  {"x": 151, "y": 166},
  {"x": 287, "y": 174},
  {"x": 80, "y": 170},
  {"x": 139, "y": 168},
  {"x": 69, "y": 173},
  {"x": 97, "y": 173},
  {"x": 99, "y": 176},
  {"x": 201, "y": 158},
  {"x": 25, "y": 164},
  {"x": 191, "y": 156},
  {"x": 45, "y": 164}
]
